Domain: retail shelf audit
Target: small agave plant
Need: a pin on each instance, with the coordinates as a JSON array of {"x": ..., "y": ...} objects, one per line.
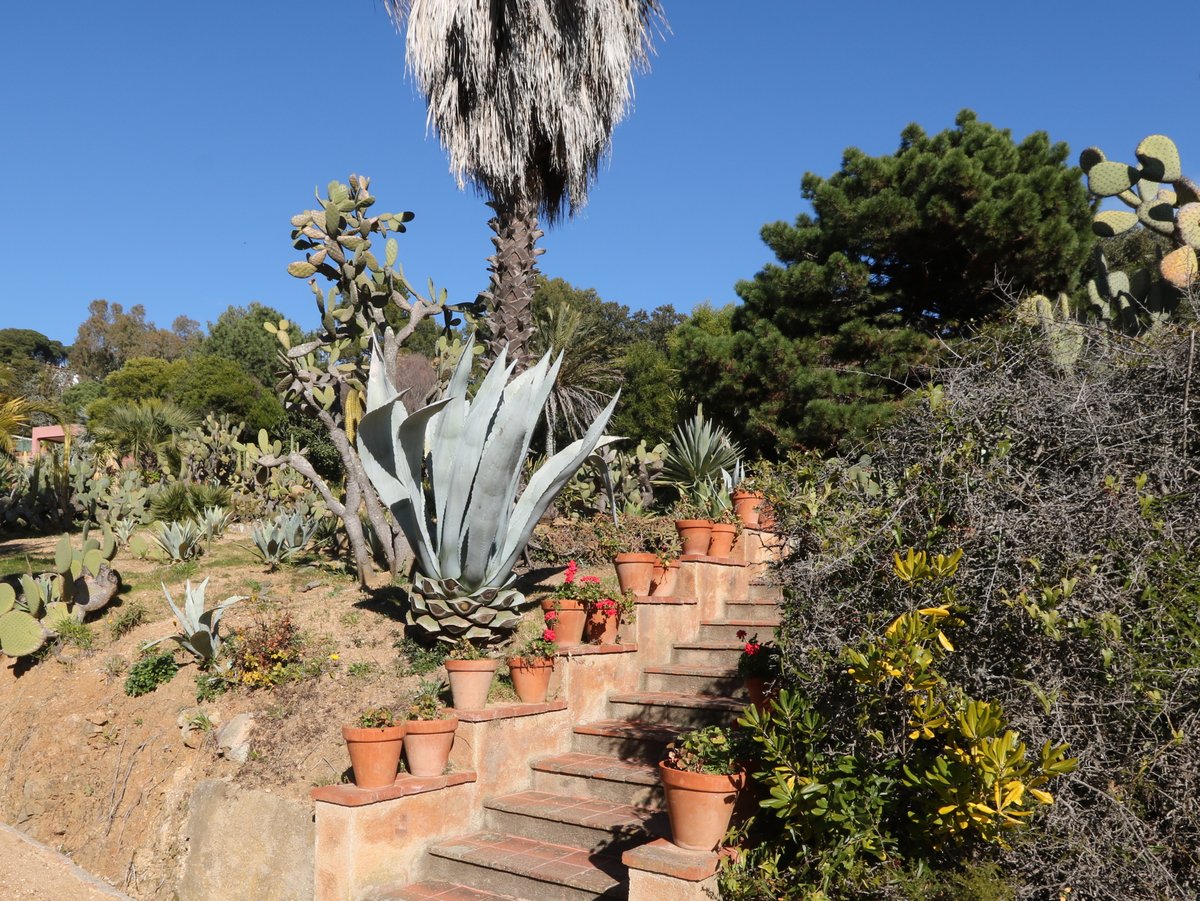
[
  {"x": 450, "y": 473},
  {"x": 198, "y": 627}
]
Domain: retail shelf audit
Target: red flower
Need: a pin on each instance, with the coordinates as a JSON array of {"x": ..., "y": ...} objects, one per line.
[
  {"x": 741, "y": 634},
  {"x": 551, "y": 615},
  {"x": 751, "y": 648},
  {"x": 548, "y": 635},
  {"x": 569, "y": 575},
  {"x": 590, "y": 580}
]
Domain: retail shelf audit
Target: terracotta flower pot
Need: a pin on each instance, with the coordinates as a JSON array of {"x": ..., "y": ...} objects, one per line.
[
  {"x": 748, "y": 506},
  {"x": 694, "y": 535},
  {"x": 572, "y": 618},
  {"x": 634, "y": 572},
  {"x": 603, "y": 629},
  {"x": 721, "y": 542},
  {"x": 662, "y": 584},
  {"x": 699, "y": 806},
  {"x": 766, "y": 518},
  {"x": 756, "y": 689},
  {"x": 469, "y": 682},
  {"x": 374, "y": 754},
  {"x": 427, "y": 745},
  {"x": 531, "y": 678}
]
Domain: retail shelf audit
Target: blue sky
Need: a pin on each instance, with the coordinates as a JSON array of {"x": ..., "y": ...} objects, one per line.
[{"x": 153, "y": 152}]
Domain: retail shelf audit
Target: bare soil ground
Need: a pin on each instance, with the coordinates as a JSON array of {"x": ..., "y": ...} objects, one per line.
[{"x": 105, "y": 778}]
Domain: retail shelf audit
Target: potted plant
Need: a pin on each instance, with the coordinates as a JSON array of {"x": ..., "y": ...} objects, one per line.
[
  {"x": 532, "y": 663},
  {"x": 693, "y": 525},
  {"x": 725, "y": 524},
  {"x": 701, "y": 778},
  {"x": 666, "y": 573},
  {"x": 470, "y": 669},
  {"x": 759, "y": 667},
  {"x": 374, "y": 743},
  {"x": 569, "y": 605},
  {"x": 606, "y": 614},
  {"x": 428, "y": 735}
]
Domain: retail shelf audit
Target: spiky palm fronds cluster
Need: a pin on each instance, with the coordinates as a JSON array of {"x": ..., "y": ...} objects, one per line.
[{"x": 524, "y": 94}]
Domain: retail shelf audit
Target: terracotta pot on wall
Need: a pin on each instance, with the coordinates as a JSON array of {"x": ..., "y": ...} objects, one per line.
[
  {"x": 721, "y": 542},
  {"x": 694, "y": 535},
  {"x": 470, "y": 681},
  {"x": 374, "y": 754},
  {"x": 756, "y": 689},
  {"x": 572, "y": 618},
  {"x": 603, "y": 629},
  {"x": 699, "y": 806},
  {"x": 427, "y": 745},
  {"x": 634, "y": 572},
  {"x": 531, "y": 678},
  {"x": 662, "y": 584},
  {"x": 748, "y": 505}
]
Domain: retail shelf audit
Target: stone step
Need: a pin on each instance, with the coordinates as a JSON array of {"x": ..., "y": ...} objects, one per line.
[
  {"x": 728, "y": 629},
  {"x": 695, "y": 678},
  {"x": 631, "y": 740},
  {"x": 525, "y": 868},
  {"x": 767, "y": 611},
  {"x": 675, "y": 707},
  {"x": 599, "y": 776},
  {"x": 712, "y": 652},
  {"x": 766, "y": 592},
  {"x": 427, "y": 891},
  {"x": 579, "y": 822}
]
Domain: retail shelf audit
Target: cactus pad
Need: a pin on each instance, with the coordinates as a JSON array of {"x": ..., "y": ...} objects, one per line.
[
  {"x": 1159, "y": 158},
  {"x": 1179, "y": 267},
  {"x": 1113, "y": 222},
  {"x": 1089, "y": 157},
  {"x": 20, "y": 634},
  {"x": 1158, "y": 215},
  {"x": 56, "y": 615},
  {"x": 8, "y": 597},
  {"x": 1188, "y": 224},
  {"x": 1109, "y": 178}
]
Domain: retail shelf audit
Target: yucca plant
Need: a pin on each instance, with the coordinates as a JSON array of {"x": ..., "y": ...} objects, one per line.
[
  {"x": 198, "y": 627},
  {"x": 283, "y": 538},
  {"x": 450, "y": 472},
  {"x": 701, "y": 457},
  {"x": 180, "y": 541}
]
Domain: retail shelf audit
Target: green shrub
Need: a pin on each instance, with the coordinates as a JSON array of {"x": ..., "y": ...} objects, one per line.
[
  {"x": 126, "y": 618},
  {"x": 179, "y": 501},
  {"x": 417, "y": 659},
  {"x": 150, "y": 672}
]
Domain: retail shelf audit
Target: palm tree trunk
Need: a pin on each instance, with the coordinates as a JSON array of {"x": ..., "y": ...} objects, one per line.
[{"x": 513, "y": 270}]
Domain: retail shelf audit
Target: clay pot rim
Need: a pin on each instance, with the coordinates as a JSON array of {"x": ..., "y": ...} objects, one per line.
[
  {"x": 472, "y": 666},
  {"x": 530, "y": 662},
  {"x": 724, "y": 527},
  {"x": 635, "y": 557},
  {"x": 742, "y": 493},
  {"x": 369, "y": 734},
  {"x": 692, "y": 523},
  {"x": 563, "y": 604},
  {"x": 702, "y": 782},
  {"x": 432, "y": 727}
]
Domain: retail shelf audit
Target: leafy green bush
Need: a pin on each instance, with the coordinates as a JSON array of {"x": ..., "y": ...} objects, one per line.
[
  {"x": 597, "y": 540},
  {"x": 416, "y": 659},
  {"x": 150, "y": 672},
  {"x": 1075, "y": 498},
  {"x": 179, "y": 501}
]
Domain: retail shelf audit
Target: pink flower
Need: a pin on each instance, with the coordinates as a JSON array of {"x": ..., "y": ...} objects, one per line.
[
  {"x": 548, "y": 635},
  {"x": 551, "y": 615},
  {"x": 589, "y": 580},
  {"x": 741, "y": 634}
]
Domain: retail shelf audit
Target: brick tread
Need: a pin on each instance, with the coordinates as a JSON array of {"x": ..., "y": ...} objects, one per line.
[
  {"x": 576, "y": 868},
  {"x": 442, "y": 891},
  {"x": 676, "y": 699},
  {"x": 741, "y": 623},
  {"x": 636, "y": 730},
  {"x": 591, "y": 812},
  {"x": 710, "y": 645},
  {"x": 598, "y": 766},
  {"x": 714, "y": 670}
]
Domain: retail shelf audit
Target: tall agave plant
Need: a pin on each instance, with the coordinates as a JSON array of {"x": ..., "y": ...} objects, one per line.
[{"x": 450, "y": 472}]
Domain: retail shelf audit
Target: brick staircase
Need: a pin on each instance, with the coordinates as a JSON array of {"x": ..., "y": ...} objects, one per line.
[{"x": 564, "y": 836}]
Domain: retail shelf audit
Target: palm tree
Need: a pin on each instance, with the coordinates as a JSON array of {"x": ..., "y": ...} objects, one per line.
[
  {"x": 143, "y": 430},
  {"x": 524, "y": 97},
  {"x": 14, "y": 416}
]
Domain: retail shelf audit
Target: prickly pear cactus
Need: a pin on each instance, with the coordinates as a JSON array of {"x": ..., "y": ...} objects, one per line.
[
  {"x": 1062, "y": 330},
  {"x": 1162, "y": 199}
]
